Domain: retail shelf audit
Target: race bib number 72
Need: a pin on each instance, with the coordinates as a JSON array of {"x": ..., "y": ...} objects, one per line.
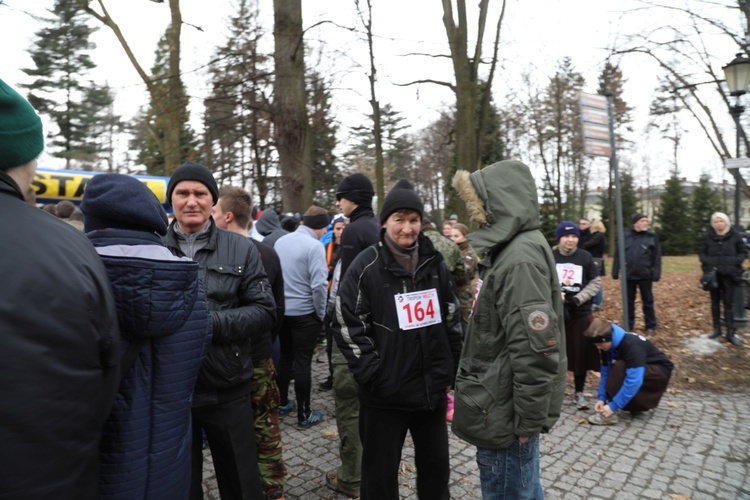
[{"x": 418, "y": 309}]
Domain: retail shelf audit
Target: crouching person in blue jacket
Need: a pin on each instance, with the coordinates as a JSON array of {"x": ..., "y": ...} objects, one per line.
[
  {"x": 165, "y": 334},
  {"x": 635, "y": 373}
]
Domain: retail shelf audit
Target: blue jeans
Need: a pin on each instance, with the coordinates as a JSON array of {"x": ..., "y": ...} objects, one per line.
[{"x": 511, "y": 473}]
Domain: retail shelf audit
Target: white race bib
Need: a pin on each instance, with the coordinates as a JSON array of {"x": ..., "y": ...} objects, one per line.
[
  {"x": 418, "y": 309},
  {"x": 569, "y": 274}
]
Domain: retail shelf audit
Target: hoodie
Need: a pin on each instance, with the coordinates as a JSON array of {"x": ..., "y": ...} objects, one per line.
[{"x": 269, "y": 226}]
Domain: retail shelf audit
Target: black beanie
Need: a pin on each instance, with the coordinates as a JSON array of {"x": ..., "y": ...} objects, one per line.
[
  {"x": 117, "y": 201},
  {"x": 190, "y": 171},
  {"x": 638, "y": 217},
  {"x": 356, "y": 188},
  {"x": 401, "y": 196}
]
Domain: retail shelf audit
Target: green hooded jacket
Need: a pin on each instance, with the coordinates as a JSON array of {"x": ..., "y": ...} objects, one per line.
[{"x": 512, "y": 373}]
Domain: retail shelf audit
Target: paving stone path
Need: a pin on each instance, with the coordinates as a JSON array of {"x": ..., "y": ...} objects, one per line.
[{"x": 696, "y": 445}]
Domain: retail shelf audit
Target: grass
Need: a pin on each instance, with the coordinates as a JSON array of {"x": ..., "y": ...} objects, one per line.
[{"x": 671, "y": 264}]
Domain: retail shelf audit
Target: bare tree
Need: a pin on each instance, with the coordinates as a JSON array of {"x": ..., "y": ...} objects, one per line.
[
  {"x": 170, "y": 105},
  {"x": 374, "y": 103},
  {"x": 684, "y": 50},
  {"x": 472, "y": 98}
]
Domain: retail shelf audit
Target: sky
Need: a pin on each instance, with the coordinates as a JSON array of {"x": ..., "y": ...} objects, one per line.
[{"x": 536, "y": 35}]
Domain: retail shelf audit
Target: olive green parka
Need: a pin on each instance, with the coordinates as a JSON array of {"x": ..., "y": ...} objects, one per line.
[{"x": 512, "y": 371}]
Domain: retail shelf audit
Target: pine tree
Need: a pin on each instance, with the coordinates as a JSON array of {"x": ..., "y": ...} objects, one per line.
[
  {"x": 61, "y": 90},
  {"x": 548, "y": 219},
  {"x": 397, "y": 148},
  {"x": 155, "y": 124},
  {"x": 674, "y": 220},
  {"x": 238, "y": 124},
  {"x": 323, "y": 130}
]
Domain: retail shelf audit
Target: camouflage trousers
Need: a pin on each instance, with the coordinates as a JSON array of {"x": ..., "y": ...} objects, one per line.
[{"x": 265, "y": 398}]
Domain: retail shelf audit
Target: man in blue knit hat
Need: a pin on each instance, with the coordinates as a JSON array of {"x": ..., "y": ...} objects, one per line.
[{"x": 59, "y": 347}]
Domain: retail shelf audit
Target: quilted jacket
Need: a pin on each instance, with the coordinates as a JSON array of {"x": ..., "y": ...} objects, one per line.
[{"x": 146, "y": 448}]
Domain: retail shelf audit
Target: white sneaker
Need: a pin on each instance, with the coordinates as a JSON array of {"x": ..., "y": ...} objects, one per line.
[
  {"x": 580, "y": 401},
  {"x": 598, "y": 419}
]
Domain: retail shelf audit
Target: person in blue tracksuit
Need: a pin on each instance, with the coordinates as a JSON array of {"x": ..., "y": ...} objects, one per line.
[{"x": 635, "y": 373}]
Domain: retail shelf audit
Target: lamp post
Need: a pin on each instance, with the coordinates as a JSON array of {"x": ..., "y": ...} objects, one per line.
[{"x": 737, "y": 74}]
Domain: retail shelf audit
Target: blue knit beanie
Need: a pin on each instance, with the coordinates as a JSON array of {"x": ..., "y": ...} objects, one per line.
[
  {"x": 567, "y": 227},
  {"x": 21, "y": 137},
  {"x": 117, "y": 201}
]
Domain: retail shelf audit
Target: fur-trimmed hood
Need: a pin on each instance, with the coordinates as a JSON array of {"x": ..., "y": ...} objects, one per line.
[{"x": 502, "y": 199}]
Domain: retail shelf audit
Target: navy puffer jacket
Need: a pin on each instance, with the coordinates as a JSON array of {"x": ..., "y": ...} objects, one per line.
[{"x": 146, "y": 448}]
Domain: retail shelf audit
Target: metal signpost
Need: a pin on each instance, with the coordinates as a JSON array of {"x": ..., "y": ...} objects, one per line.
[{"x": 599, "y": 140}]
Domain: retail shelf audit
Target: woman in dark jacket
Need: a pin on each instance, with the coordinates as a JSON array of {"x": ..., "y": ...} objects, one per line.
[
  {"x": 595, "y": 244},
  {"x": 724, "y": 250}
]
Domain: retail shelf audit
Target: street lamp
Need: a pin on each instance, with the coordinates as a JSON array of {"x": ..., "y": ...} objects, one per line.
[{"x": 737, "y": 74}]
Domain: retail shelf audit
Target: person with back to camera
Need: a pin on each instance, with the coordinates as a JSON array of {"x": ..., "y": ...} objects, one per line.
[
  {"x": 512, "y": 375},
  {"x": 724, "y": 250},
  {"x": 579, "y": 281},
  {"x": 398, "y": 323},
  {"x": 59, "y": 347},
  {"x": 165, "y": 331},
  {"x": 635, "y": 373},
  {"x": 305, "y": 294}
]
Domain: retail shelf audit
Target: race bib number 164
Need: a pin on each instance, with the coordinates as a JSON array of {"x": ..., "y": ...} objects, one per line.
[{"x": 418, "y": 309}]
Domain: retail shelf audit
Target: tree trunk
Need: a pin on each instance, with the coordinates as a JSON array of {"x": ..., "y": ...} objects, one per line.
[
  {"x": 468, "y": 91},
  {"x": 175, "y": 102},
  {"x": 290, "y": 110}
]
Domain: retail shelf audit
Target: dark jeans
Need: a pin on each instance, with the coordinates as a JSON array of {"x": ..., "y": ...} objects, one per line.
[
  {"x": 231, "y": 438},
  {"x": 655, "y": 382},
  {"x": 647, "y": 297},
  {"x": 298, "y": 337},
  {"x": 329, "y": 343},
  {"x": 725, "y": 291},
  {"x": 383, "y": 433}
]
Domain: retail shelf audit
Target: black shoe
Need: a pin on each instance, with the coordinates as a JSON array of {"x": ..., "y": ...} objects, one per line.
[
  {"x": 715, "y": 334},
  {"x": 327, "y": 385},
  {"x": 732, "y": 339}
]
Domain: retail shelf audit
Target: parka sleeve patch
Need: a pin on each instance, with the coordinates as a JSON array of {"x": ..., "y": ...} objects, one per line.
[{"x": 540, "y": 326}]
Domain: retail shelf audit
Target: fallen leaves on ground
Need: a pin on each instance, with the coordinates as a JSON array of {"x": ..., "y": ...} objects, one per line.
[{"x": 683, "y": 311}]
